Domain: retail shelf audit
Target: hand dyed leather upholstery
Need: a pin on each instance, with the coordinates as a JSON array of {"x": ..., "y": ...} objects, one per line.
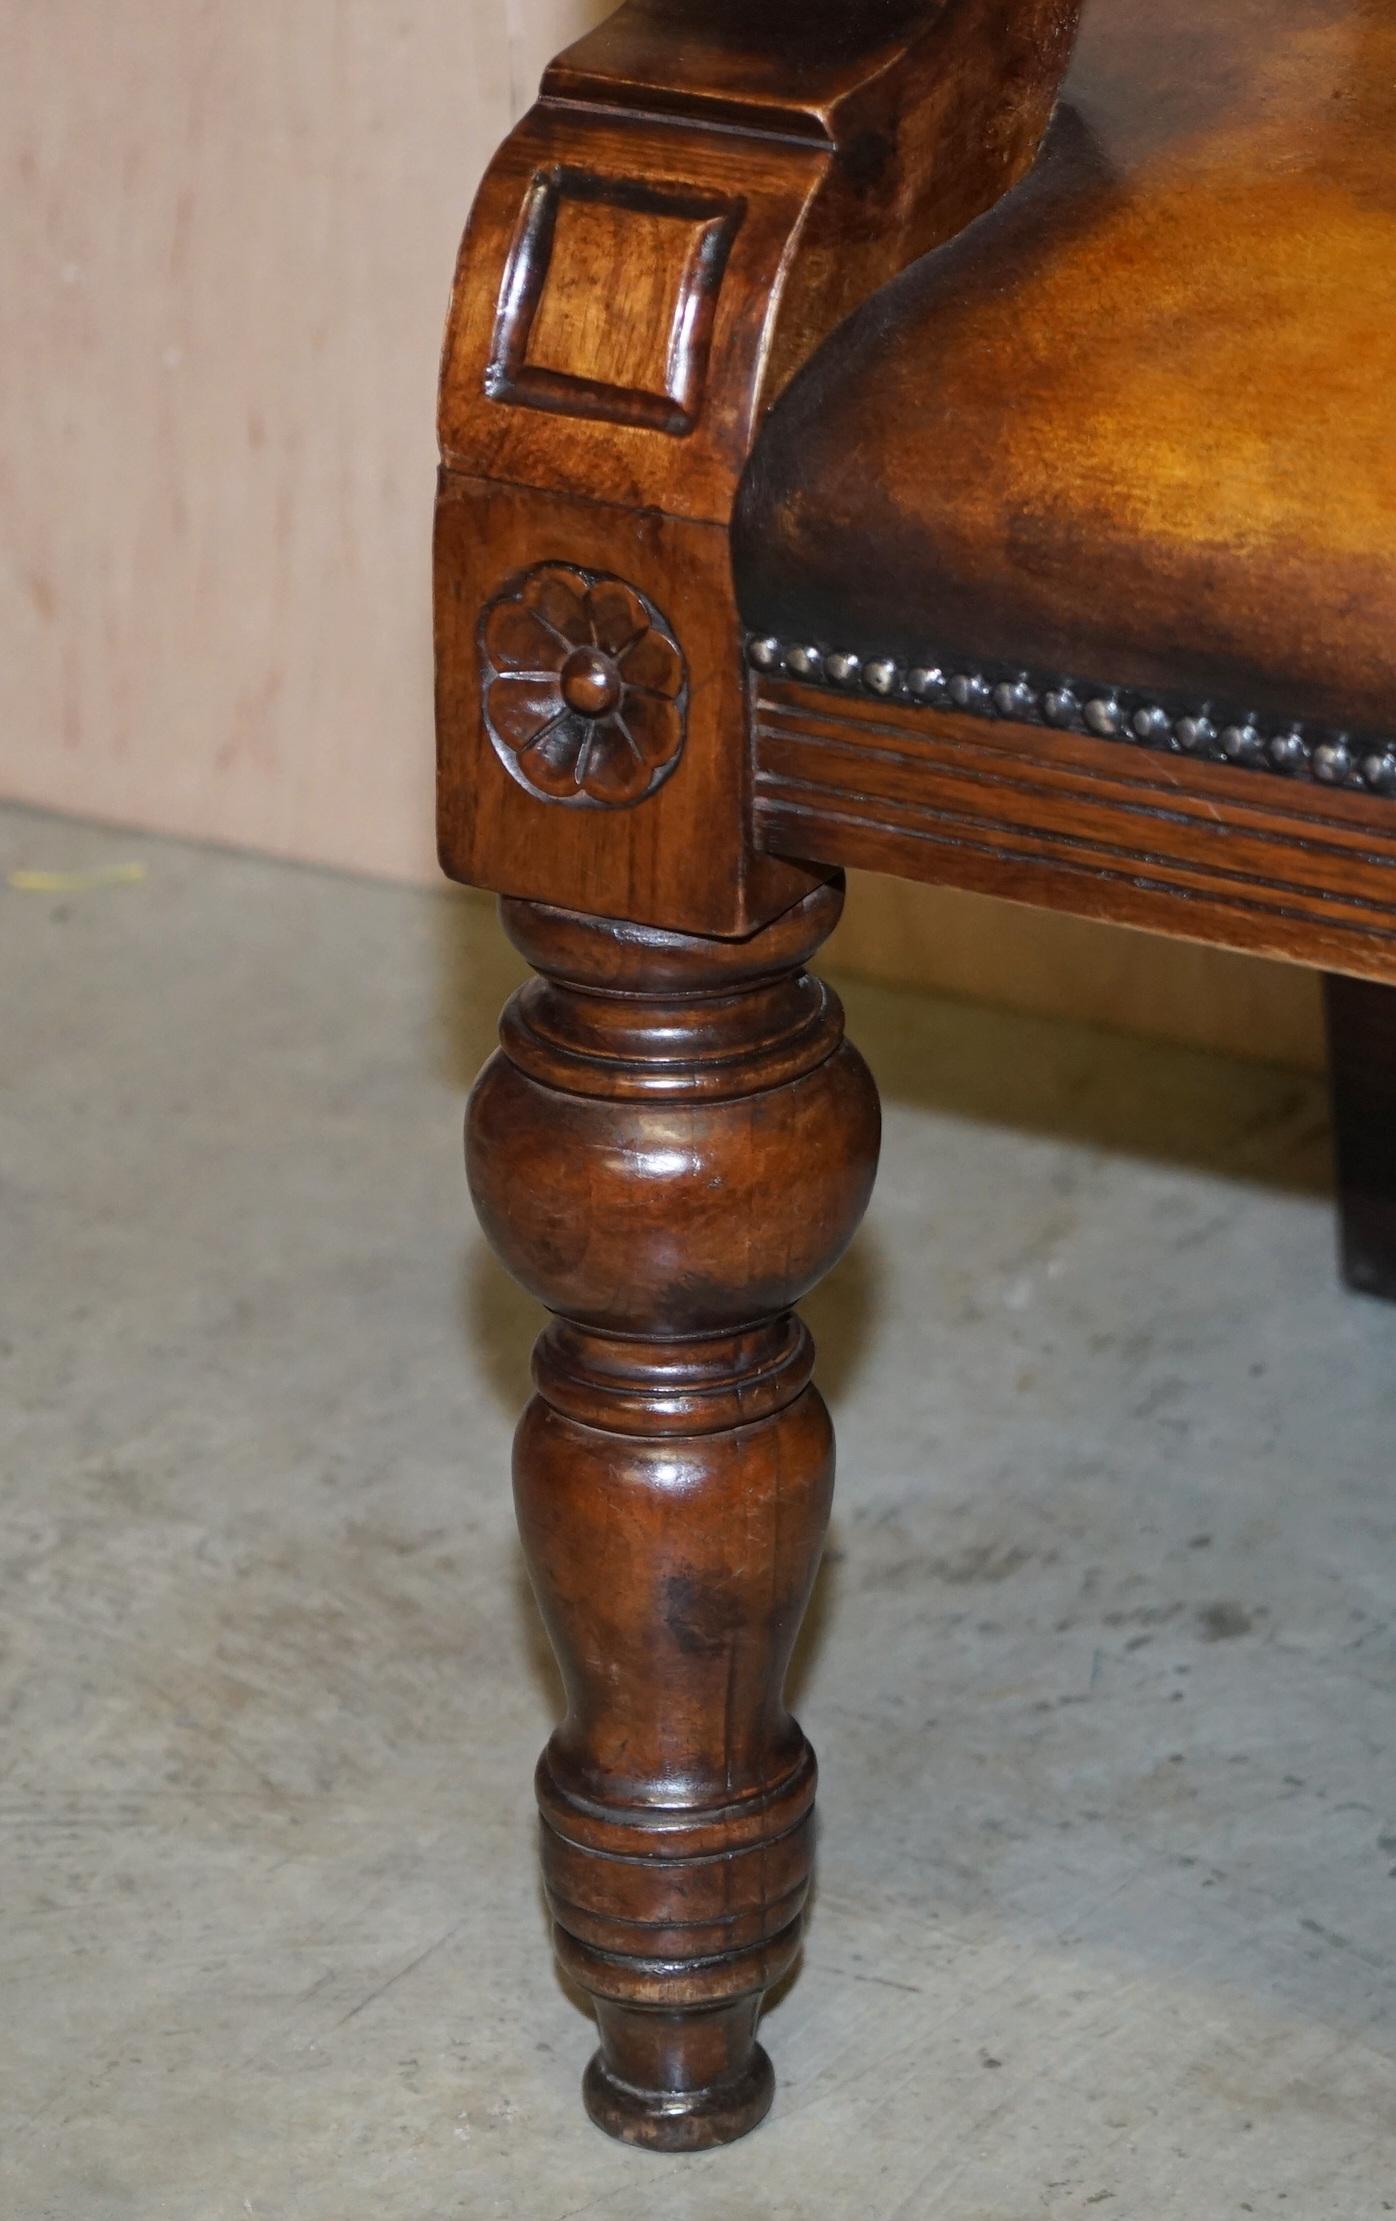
[
  {"x": 1137, "y": 425},
  {"x": 1078, "y": 525}
]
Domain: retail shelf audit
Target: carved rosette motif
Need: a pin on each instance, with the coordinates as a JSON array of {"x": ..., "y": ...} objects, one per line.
[{"x": 585, "y": 688}]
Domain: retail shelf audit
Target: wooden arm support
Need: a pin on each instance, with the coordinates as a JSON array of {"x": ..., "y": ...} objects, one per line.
[
  {"x": 674, "y": 1142},
  {"x": 701, "y": 193}
]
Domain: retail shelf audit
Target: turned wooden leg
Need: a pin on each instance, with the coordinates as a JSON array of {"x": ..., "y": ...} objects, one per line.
[
  {"x": 673, "y": 1145},
  {"x": 1362, "y": 1066}
]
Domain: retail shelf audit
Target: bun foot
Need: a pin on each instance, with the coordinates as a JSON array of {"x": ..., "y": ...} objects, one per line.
[{"x": 680, "y": 2120}]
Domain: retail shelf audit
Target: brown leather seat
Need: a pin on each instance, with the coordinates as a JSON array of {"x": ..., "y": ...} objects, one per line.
[
  {"x": 1125, "y": 449},
  {"x": 1099, "y": 488}
]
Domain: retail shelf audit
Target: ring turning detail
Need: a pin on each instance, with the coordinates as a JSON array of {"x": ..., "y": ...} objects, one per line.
[{"x": 673, "y": 1145}]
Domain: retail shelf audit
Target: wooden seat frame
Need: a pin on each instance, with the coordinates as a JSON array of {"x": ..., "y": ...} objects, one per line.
[{"x": 675, "y": 1142}]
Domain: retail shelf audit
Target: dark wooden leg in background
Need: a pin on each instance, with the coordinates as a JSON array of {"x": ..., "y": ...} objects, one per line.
[
  {"x": 674, "y": 1144},
  {"x": 1362, "y": 1064}
]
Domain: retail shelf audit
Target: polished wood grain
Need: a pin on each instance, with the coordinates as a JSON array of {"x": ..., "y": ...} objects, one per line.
[
  {"x": 675, "y": 1142},
  {"x": 1092, "y": 433},
  {"x": 673, "y": 1145},
  {"x": 686, "y": 850},
  {"x": 1096, "y": 828},
  {"x": 926, "y": 111},
  {"x": 663, "y": 250},
  {"x": 653, "y": 251}
]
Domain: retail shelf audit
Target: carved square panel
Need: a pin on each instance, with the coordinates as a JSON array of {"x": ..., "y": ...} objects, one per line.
[{"x": 609, "y": 297}]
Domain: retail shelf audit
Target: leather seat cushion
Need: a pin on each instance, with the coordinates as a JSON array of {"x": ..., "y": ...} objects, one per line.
[{"x": 1134, "y": 426}]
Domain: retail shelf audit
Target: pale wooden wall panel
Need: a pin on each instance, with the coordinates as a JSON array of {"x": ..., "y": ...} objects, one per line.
[
  {"x": 538, "y": 29},
  {"x": 229, "y": 238},
  {"x": 229, "y": 232},
  {"x": 1043, "y": 961}
]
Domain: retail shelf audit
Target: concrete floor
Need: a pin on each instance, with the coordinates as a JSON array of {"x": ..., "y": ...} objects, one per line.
[{"x": 1101, "y": 1667}]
